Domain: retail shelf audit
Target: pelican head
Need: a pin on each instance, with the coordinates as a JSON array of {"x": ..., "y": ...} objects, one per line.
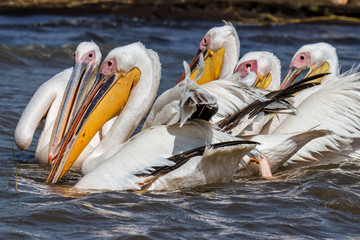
[
  {"x": 221, "y": 49},
  {"x": 318, "y": 57},
  {"x": 87, "y": 59},
  {"x": 119, "y": 74},
  {"x": 266, "y": 66}
]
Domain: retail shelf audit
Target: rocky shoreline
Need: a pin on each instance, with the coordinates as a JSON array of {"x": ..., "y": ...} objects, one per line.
[{"x": 250, "y": 11}]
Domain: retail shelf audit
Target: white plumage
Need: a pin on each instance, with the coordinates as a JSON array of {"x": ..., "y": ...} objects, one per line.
[
  {"x": 126, "y": 166},
  {"x": 333, "y": 105}
]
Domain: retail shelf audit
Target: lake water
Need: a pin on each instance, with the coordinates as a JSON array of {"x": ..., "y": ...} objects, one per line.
[{"x": 305, "y": 203}]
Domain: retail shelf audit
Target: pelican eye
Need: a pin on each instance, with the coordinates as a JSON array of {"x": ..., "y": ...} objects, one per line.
[
  {"x": 90, "y": 55},
  {"x": 248, "y": 65},
  {"x": 302, "y": 57},
  {"x": 109, "y": 63}
]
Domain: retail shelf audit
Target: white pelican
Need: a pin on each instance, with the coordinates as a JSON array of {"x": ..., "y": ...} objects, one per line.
[
  {"x": 130, "y": 77},
  {"x": 267, "y": 68},
  {"x": 333, "y": 105},
  {"x": 221, "y": 49},
  {"x": 48, "y": 98},
  {"x": 319, "y": 57},
  {"x": 265, "y": 65}
]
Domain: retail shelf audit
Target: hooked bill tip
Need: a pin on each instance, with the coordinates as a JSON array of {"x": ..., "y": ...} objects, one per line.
[{"x": 50, "y": 158}]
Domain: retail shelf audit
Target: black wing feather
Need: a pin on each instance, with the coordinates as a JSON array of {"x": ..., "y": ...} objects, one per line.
[
  {"x": 182, "y": 158},
  {"x": 276, "y": 96}
]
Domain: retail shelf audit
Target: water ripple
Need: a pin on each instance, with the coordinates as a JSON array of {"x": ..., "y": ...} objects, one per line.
[{"x": 305, "y": 203}]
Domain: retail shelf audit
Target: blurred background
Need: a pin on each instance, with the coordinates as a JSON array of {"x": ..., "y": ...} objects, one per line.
[{"x": 260, "y": 11}]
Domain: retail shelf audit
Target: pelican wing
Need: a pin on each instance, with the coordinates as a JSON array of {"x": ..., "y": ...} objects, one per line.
[
  {"x": 148, "y": 150},
  {"x": 232, "y": 95},
  {"x": 183, "y": 157},
  {"x": 334, "y": 105},
  {"x": 185, "y": 101},
  {"x": 196, "y": 103},
  {"x": 278, "y": 148},
  {"x": 215, "y": 165}
]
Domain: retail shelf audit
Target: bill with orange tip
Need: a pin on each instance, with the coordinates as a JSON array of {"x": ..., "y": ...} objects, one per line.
[
  {"x": 299, "y": 63},
  {"x": 87, "y": 58},
  {"x": 106, "y": 99}
]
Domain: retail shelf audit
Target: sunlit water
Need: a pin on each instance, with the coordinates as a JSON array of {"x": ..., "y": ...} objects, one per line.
[{"x": 311, "y": 202}]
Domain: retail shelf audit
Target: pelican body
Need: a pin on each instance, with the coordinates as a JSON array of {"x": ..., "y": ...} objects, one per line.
[{"x": 130, "y": 166}]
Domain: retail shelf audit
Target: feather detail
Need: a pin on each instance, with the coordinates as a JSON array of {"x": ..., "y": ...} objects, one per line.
[
  {"x": 277, "y": 98},
  {"x": 333, "y": 105}
]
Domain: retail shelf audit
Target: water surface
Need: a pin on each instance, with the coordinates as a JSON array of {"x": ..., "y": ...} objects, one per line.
[{"x": 306, "y": 203}]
